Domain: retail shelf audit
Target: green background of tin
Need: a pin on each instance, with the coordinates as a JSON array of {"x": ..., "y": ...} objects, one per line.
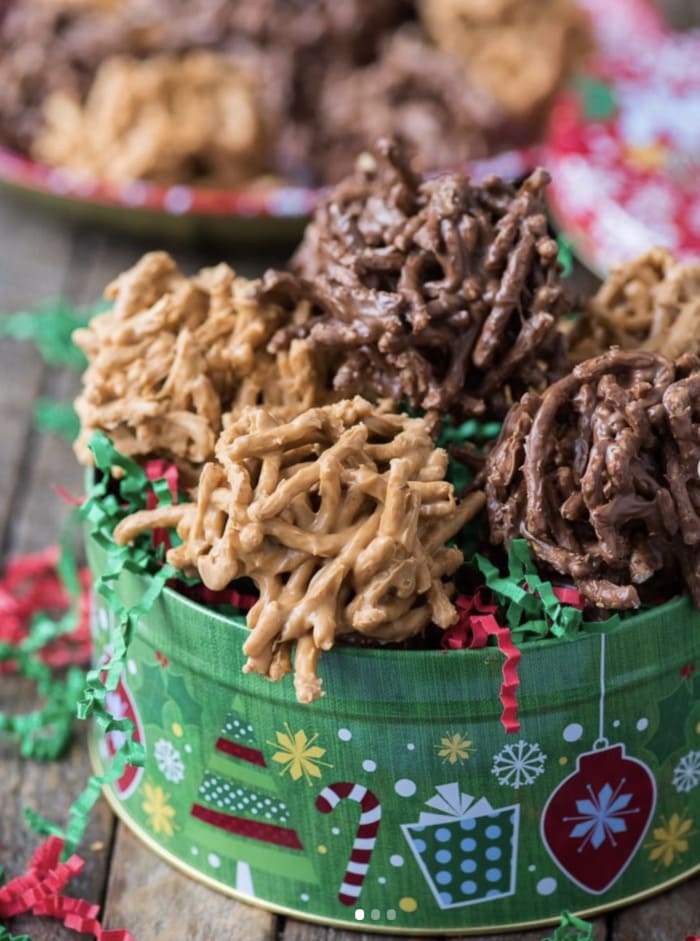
[{"x": 388, "y": 699}]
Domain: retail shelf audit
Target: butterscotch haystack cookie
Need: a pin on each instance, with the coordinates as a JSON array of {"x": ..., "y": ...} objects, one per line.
[
  {"x": 437, "y": 293},
  {"x": 519, "y": 51},
  {"x": 600, "y": 475},
  {"x": 176, "y": 358},
  {"x": 341, "y": 518},
  {"x": 650, "y": 303},
  {"x": 168, "y": 119}
]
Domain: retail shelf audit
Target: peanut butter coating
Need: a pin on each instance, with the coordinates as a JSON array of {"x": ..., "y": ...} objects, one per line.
[{"x": 340, "y": 516}]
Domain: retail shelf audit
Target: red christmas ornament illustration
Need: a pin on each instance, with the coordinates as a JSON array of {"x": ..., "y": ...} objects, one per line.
[{"x": 595, "y": 821}]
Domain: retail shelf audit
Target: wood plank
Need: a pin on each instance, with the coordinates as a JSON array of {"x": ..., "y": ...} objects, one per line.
[
  {"x": 33, "y": 265},
  {"x": 301, "y": 931},
  {"x": 50, "y": 789},
  {"x": 156, "y": 901},
  {"x": 667, "y": 917}
]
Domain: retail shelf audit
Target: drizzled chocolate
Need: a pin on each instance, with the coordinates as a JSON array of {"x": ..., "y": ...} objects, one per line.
[
  {"x": 600, "y": 475},
  {"x": 438, "y": 293}
]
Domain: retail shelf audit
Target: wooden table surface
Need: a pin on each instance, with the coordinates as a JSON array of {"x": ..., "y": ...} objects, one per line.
[{"x": 42, "y": 256}]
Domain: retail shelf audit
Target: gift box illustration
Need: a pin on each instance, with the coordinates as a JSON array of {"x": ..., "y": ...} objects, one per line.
[{"x": 466, "y": 849}]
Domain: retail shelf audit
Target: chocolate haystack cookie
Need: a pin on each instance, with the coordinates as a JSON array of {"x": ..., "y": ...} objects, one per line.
[
  {"x": 600, "y": 475},
  {"x": 436, "y": 293}
]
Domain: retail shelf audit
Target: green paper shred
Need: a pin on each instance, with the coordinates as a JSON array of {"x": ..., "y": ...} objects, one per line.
[
  {"x": 478, "y": 433},
  {"x": 102, "y": 510},
  {"x": 472, "y": 430},
  {"x": 572, "y": 928},
  {"x": 529, "y": 602},
  {"x": 6, "y": 934},
  {"x": 56, "y": 418},
  {"x": 50, "y": 326},
  {"x": 565, "y": 256}
]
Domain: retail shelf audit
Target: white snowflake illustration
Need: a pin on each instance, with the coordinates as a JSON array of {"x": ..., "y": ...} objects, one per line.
[
  {"x": 686, "y": 774},
  {"x": 169, "y": 761},
  {"x": 602, "y": 816},
  {"x": 519, "y": 764}
]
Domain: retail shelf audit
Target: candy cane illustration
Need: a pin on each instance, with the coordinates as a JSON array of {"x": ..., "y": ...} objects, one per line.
[{"x": 366, "y": 835}]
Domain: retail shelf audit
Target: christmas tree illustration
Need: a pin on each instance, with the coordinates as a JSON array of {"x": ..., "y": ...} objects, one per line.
[{"x": 239, "y": 806}]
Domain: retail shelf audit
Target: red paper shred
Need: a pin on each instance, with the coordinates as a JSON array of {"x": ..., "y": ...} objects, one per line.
[
  {"x": 66, "y": 496},
  {"x": 30, "y": 585},
  {"x": 158, "y": 469},
  {"x": 38, "y": 892},
  {"x": 477, "y": 622},
  {"x": 570, "y": 596},
  {"x": 206, "y": 596}
]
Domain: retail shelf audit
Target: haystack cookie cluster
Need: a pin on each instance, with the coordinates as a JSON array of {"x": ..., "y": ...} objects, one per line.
[
  {"x": 157, "y": 119},
  {"x": 425, "y": 294},
  {"x": 650, "y": 303},
  {"x": 520, "y": 51},
  {"x": 176, "y": 359},
  {"x": 341, "y": 518},
  {"x": 285, "y": 90},
  {"x": 436, "y": 292}
]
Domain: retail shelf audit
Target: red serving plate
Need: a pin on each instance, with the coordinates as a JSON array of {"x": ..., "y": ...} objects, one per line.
[{"x": 276, "y": 214}]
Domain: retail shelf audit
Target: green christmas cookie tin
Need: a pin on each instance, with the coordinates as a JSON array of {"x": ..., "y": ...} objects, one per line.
[{"x": 398, "y": 802}]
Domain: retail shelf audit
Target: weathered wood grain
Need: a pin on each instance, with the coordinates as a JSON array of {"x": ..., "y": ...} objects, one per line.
[
  {"x": 34, "y": 265},
  {"x": 668, "y": 917},
  {"x": 158, "y": 903},
  {"x": 48, "y": 788},
  {"x": 299, "y": 931}
]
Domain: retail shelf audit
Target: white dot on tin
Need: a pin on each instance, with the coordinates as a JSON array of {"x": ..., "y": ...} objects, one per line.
[
  {"x": 131, "y": 667},
  {"x": 405, "y": 787},
  {"x": 335, "y": 831},
  {"x": 195, "y": 851},
  {"x": 382, "y": 880},
  {"x": 359, "y": 914},
  {"x": 345, "y": 735},
  {"x": 642, "y": 724},
  {"x": 213, "y": 860},
  {"x": 573, "y": 732},
  {"x": 369, "y": 765},
  {"x": 375, "y": 914},
  {"x": 188, "y": 749},
  {"x": 411, "y": 746},
  {"x": 546, "y": 886},
  {"x": 616, "y": 724},
  {"x": 304, "y": 896},
  {"x": 531, "y": 868},
  {"x": 396, "y": 860},
  {"x": 391, "y": 914}
]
